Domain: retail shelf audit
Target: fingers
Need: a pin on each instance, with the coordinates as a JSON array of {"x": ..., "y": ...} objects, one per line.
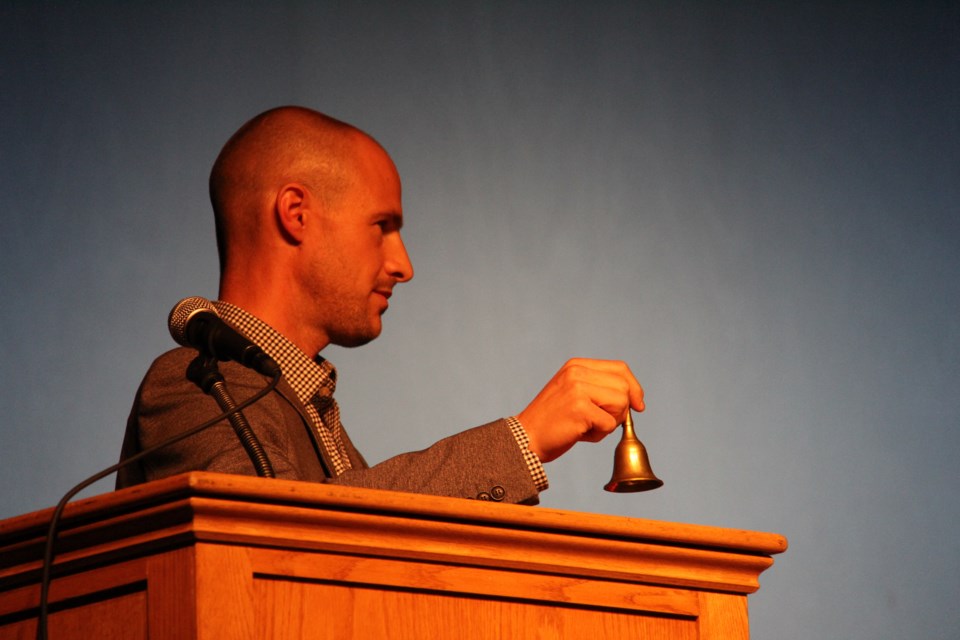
[
  {"x": 600, "y": 423},
  {"x": 606, "y": 382}
]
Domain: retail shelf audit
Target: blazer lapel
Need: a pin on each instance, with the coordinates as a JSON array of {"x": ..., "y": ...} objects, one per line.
[{"x": 288, "y": 394}]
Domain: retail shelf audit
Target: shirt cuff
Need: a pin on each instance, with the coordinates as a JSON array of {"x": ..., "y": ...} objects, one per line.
[{"x": 537, "y": 472}]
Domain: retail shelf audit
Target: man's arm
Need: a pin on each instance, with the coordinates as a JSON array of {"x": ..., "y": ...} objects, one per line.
[
  {"x": 483, "y": 463},
  {"x": 584, "y": 401}
]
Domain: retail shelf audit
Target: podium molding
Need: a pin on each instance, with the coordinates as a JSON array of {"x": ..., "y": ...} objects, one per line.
[{"x": 205, "y": 555}]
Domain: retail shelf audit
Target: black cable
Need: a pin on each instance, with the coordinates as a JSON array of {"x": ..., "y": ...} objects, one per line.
[
  {"x": 45, "y": 576},
  {"x": 205, "y": 373}
]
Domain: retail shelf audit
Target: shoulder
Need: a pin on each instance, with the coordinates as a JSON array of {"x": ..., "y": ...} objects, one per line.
[
  {"x": 173, "y": 362},
  {"x": 171, "y": 367}
]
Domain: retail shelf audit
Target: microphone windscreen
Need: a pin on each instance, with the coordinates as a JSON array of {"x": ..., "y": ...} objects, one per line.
[{"x": 180, "y": 317}]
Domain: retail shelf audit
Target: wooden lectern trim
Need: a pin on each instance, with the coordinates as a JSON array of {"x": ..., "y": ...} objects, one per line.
[
  {"x": 206, "y": 555},
  {"x": 288, "y": 514}
]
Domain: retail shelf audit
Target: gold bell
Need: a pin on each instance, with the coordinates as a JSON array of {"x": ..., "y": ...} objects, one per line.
[{"x": 631, "y": 466}]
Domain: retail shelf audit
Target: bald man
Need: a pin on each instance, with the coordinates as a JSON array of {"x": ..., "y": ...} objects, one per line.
[{"x": 308, "y": 216}]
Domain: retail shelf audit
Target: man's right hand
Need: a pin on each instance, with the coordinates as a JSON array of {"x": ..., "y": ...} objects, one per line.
[{"x": 584, "y": 401}]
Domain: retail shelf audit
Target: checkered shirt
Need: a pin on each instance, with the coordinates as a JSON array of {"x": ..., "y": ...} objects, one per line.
[
  {"x": 537, "y": 471},
  {"x": 313, "y": 380}
]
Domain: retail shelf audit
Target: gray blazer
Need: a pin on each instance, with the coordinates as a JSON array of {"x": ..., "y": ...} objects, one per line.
[{"x": 484, "y": 462}]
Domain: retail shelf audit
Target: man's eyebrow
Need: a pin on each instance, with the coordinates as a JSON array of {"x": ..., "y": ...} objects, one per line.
[{"x": 395, "y": 217}]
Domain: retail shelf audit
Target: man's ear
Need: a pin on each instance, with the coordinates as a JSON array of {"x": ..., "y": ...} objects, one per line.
[{"x": 292, "y": 208}]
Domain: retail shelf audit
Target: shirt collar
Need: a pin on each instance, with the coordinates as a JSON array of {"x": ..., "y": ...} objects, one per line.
[{"x": 305, "y": 375}]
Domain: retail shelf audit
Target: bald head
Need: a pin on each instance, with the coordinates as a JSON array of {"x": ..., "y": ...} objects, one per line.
[
  {"x": 309, "y": 212},
  {"x": 277, "y": 147}
]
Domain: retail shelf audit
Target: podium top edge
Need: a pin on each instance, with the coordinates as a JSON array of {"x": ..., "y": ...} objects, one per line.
[{"x": 237, "y": 488}]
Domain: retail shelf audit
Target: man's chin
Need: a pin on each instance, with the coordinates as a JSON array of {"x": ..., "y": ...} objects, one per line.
[{"x": 357, "y": 339}]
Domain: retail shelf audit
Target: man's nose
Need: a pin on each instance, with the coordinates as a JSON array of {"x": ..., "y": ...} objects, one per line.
[{"x": 398, "y": 263}]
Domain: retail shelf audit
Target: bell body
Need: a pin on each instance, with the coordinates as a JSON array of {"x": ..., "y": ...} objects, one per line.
[{"x": 631, "y": 466}]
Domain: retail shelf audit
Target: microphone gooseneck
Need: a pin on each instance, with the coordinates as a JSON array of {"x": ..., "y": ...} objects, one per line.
[{"x": 204, "y": 373}]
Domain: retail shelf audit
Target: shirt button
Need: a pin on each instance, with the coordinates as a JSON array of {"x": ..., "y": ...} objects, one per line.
[
  {"x": 498, "y": 493},
  {"x": 483, "y": 495}
]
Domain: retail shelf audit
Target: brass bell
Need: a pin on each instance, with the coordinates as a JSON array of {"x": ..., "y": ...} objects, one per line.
[{"x": 631, "y": 466}]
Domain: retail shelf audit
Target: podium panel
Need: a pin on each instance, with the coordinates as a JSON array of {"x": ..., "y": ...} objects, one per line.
[{"x": 212, "y": 556}]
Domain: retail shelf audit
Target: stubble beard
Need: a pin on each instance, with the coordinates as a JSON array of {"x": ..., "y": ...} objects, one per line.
[{"x": 351, "y": 325}]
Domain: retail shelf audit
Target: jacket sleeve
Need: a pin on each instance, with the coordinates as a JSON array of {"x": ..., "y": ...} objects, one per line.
[{"x": 483, "y": 463}]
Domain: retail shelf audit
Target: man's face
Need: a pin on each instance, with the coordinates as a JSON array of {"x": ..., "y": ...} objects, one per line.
[{"x": 356, "y": 253}]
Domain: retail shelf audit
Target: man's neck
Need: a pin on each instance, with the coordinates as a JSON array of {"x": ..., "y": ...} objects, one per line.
[{"x": 281, "y": 315}]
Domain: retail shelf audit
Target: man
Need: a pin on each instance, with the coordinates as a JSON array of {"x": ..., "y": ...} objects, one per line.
[{"x": 308, "y": 217}]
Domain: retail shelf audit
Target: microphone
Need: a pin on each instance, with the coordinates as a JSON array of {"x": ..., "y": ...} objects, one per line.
[{"x": 193, "y": 322}]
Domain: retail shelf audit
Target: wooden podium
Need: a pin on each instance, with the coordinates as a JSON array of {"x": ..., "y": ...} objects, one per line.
[{"x": 221, "y": 557}]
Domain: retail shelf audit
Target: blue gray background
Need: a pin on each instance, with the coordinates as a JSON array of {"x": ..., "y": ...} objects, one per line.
[{"x": 754, "y": 204}]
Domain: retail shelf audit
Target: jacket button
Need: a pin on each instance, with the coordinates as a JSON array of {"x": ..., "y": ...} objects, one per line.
[
  {"x": 483, "y": 495},
  {"x": 498, "y": 493}
]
